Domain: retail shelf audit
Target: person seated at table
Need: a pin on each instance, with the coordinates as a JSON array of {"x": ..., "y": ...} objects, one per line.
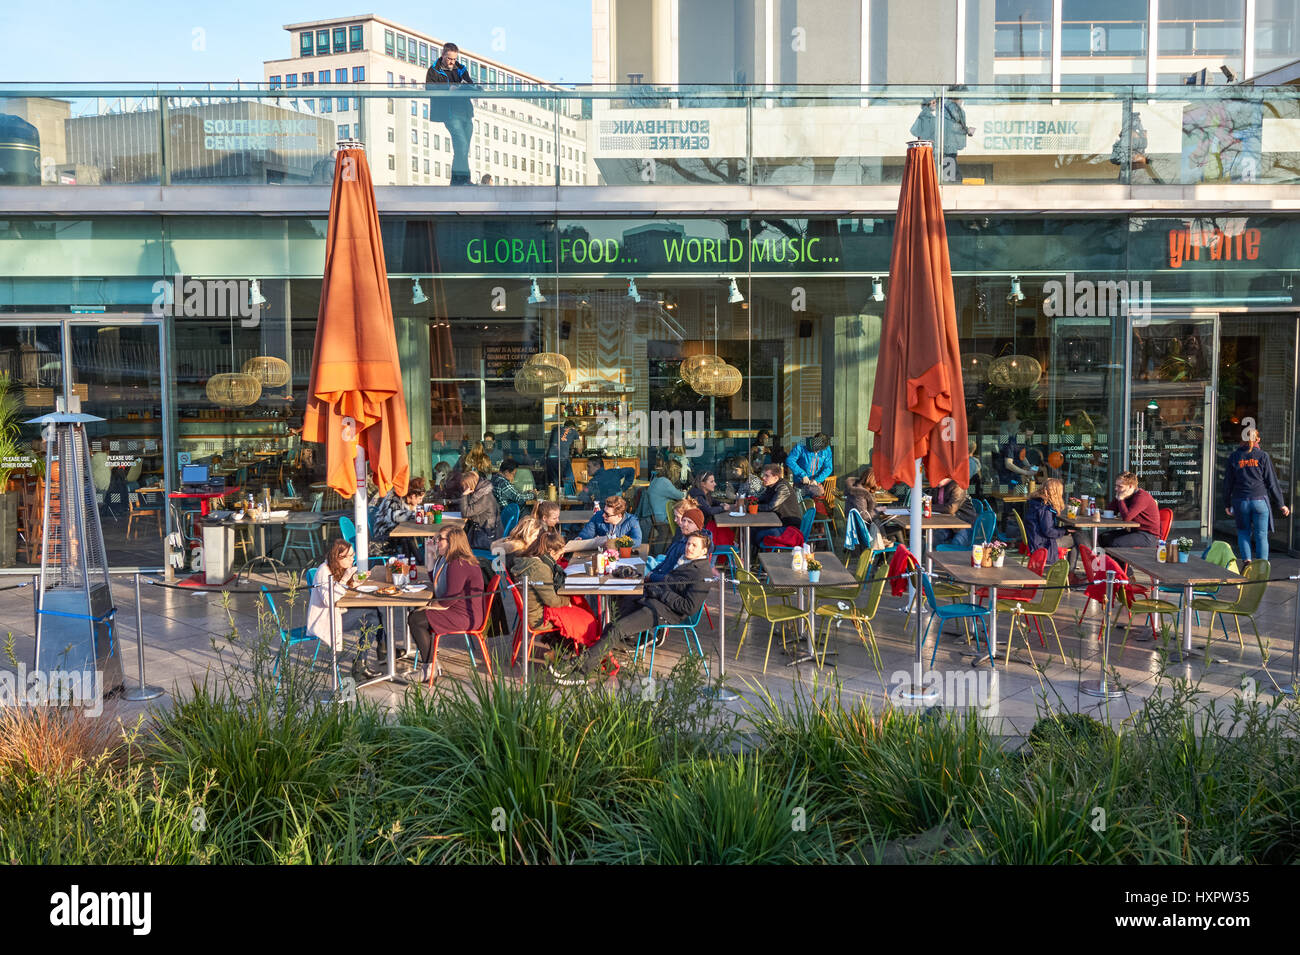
[
  {"x": 706, "y": 482},
  {"x": 676, "y": 598},
  {"x": 778, "y": 498},
  {"x": 479, "y": 504},
  {"x": 689, "y": 521},
  {"x": 810, "y": 464},
  {"x": 1132, "y": 503},
  {"x": 949, "y": 497},
  {"x": 603, "y": 481},
  {"x": 337, "y": 573},
  {"x": 741, "y": 479},
  {"x": 476, "y": 459},
  {"x": 860, "y": 495},
  {"x": 564, "y": 440},
  {"x": 519, "y": 541},
  {"x": 391, "y": 510},
  {"x": 611, "y": 523},
  {"x": 459, "y": 609},
  {"x": 976, "y": 471},
  {"x": 545, "y": 577},
  {"x": 503, "y": 485},
  {"x": 1042, "y": 511},
  {"x": 495, "y": 454},
  {"x": 440, "y": 472},
  {"x": 548, "y": 512},
  {"x": 1012, "y": 466},
  {"x": 655, "y": 501}
]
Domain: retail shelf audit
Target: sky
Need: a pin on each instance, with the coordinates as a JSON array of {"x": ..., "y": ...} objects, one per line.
[{"x": 200, "y": 41}]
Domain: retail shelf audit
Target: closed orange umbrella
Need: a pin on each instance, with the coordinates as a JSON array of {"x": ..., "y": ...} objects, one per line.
[
  {"x": 917, "y": 405},
  {"x": 355, "y": 400}
]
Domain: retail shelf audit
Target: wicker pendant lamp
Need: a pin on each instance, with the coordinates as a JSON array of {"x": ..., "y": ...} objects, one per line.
[
  {"x": 271, "y": 372},
  {"x": 1015, "y": 371}
]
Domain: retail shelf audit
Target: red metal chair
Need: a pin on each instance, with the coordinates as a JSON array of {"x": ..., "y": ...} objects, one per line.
[
  {"x": 522, "y": 625},
  {"x": 1096, "y": 577},
  {"x": 1166, "y": 522},
  {"x": 479, "y": 634}
]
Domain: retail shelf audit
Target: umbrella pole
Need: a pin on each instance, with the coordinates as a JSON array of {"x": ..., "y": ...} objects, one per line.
[
  {"x": 918, "y": 693},
  {"x": 359, "y": 514}
]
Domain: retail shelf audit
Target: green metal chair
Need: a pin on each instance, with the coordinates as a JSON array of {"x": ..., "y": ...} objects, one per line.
[
  {"x": 1249, "y": 597},
  {"x": 754, "y": 600},
  {"x": 846, "y": 608},
  {"x": 861, "y": 571},
  {"x": 1043, "y": 606}
]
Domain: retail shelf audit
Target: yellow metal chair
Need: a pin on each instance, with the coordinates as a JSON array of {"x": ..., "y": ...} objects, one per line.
[
  {"x": 860, "y": 616},
  {"x": 1249, "y": 597},
  {"x": 754, "y": 600},
  {"x": 1043, "y": 606}
]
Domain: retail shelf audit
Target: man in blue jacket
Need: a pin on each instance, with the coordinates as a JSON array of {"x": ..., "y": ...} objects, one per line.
[
  {"x": 1248, "y": 484},
  {"x": 456, "y": 112},
  {"x": 612, "y": 522},
  {"x": 811, "y": 463}
]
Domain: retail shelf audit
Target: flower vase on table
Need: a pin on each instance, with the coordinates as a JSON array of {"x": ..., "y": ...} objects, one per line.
[{"x": 814, "y": 570}]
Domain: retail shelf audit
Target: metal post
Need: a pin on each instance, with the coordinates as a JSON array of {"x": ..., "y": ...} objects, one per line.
[
  {"x": 1100, "y": 688},
  {"x": 143, "y": 690},
  {"x": 721, "y": 693},
  {"x": 523, "y": 626},
  {"x": 1290, "y": 688},
  {"x": 917, "y": 693}
]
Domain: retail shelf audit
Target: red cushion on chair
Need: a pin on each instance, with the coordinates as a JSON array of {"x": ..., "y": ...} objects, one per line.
[{"x": 789, "y": 537}]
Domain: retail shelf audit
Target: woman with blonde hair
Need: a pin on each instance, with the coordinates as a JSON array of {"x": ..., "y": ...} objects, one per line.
[
  {"x": 476, "y": 459},
  {"x": 1045, "y": 506},
  {"x": 478, "y": 503},
  {"x": 548, "y": 512},
  {"x": 337, "y": 573},
  {"x": 519, "y": 541}
]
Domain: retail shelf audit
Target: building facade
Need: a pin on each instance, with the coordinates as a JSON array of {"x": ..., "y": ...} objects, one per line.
[{"x": 1121, "y": 261}]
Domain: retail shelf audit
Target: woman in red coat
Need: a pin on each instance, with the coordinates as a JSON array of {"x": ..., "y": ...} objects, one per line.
[{"x": 461, "y": 609}]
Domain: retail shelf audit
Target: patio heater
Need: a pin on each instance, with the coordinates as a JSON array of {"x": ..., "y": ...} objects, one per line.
[{"x": 74, "y": 616}]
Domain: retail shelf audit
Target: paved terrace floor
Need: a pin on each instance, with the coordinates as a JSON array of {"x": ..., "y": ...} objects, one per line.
[{"x": 183, "y": 629}]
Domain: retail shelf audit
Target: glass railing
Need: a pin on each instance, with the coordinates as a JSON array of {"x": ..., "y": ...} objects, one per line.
[{"x": 59, "y": 135}]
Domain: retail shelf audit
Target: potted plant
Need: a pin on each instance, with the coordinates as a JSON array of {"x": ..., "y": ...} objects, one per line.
[
  {"x": 752, "y": 506},
  {"x": 814, "y": 570},
  {"x": 997, "y": 552},
  {"x": 624, "y": 545},
  {"x": 1185, "y": 545},
  {"x": 1073, "y": 507},
  {"x": 437, "y": 513},
  {"x": 10, "y": 451}
]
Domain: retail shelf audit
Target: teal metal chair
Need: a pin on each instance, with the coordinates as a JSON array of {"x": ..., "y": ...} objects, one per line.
[
  {"x": 302, "y": 539},
  {"x": 805, "y": 528},
  {"x": 348, "y": 530},
  {"x": 509, "y": 518},
  {"x": 954, "y": 611},
  {"x": 288, "y": 638},
  {"x": 690, "y": 630},
  {"x": 981, "y": 532}
]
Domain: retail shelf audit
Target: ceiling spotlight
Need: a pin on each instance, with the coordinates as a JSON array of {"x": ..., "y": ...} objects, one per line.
[
  {"x": 632, "y": 293},
  {"x": 1152, "y": 406},
  {"x": 417, "y": 294},
  {"x": 733, "y": 293},
  {"x": 255, "y": 296},
  {"x": 535, "y": 296},
  {"x": 877, "y": 289},
  {"x": 1015, "y": 294}
]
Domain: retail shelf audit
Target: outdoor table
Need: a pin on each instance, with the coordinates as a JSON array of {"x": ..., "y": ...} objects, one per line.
[
  {"x": 204, "y": 498},
  {"x": 412, "y": 529},
  {"x": 1097, "y": 523},
  {"x": 957, "y": 565},
  {"x": 388, "y": 602},
  {"x": 780, "y": 573},
  {"x": 943, "y": 522},
  {"x": 1195, "y": 573},
  {"x": 576, "y": 517},
  {"x": 1009, "y": 497},
  {"x": 297, "y": 518},
  {"x": 745, "y": 522},
  {"x": 884, "y": 497},
  {"x": 604, "y": 585}
]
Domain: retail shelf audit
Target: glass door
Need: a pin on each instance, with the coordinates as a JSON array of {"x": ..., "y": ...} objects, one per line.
[
  {"x": 1257, "y": 386},
  {"x": 1170, "y": 448}
]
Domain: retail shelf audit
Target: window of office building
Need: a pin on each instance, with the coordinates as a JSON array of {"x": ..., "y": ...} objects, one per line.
[
  {"x": 492, "y": 76},
  {"x": 341, "y": 75},
  {"x": 424, "y": 110},
  {"x": 389, "y": 40},
  {"x": 424, "y": 54},
  {"x": 1103, "y": 28},
  {"x": 322, "y": 42},
  {"x": 496, "y": 157},
  {"x": 390, "y": 107},
  {"x": 324, "y": 77},
  {"x": 358, "y": 74},
  {"x": 390, "y": 83},
  {"x": 415, "y": 109},
  {"x": 496, "y": 132},
  {"x": 390, "y": 134},
  {"x": 426, "y": 167},
  {"x": 340, "y": 40},
  {"x": 276, "y": 82},
  {"x": 478, "y": 152},
  {"x": 426, "y": 140},
  {"x": 415, "y": 164},
  {"x": 307, "y": 79},
  {"x": 415, "y": 138},
  {"x": 354, "y": 38},
  {"x": 514, "y": 139},
  {"x": 1277, "y": 33},
  {"x": 327, "y": 105},
  {"x": 473, "y": 71},
  {"x": 412, "y": 53},
  {"x": 343, "y": 104},
  {"x": 392, "y": 162},
  {"x": 291, "y": 80},
  {"x": 344, "y": 130},
  {"x": 401, "y": 46},
  {"x": 304, "y": 43}
]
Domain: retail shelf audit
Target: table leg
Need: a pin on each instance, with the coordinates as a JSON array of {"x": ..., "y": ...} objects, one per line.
[
  {"x": 805, "y": 604},
  {"x": 1095, "y": 529},
  {"x": 1187, "y": 624},
  {"x": 929, "y": 551}
]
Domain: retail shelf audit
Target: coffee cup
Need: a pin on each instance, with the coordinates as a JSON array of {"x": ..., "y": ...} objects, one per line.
[{"x": 1109, "y": 515}]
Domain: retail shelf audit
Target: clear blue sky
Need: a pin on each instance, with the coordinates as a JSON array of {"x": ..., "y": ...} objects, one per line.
[{"x": 151, "y": 40}]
